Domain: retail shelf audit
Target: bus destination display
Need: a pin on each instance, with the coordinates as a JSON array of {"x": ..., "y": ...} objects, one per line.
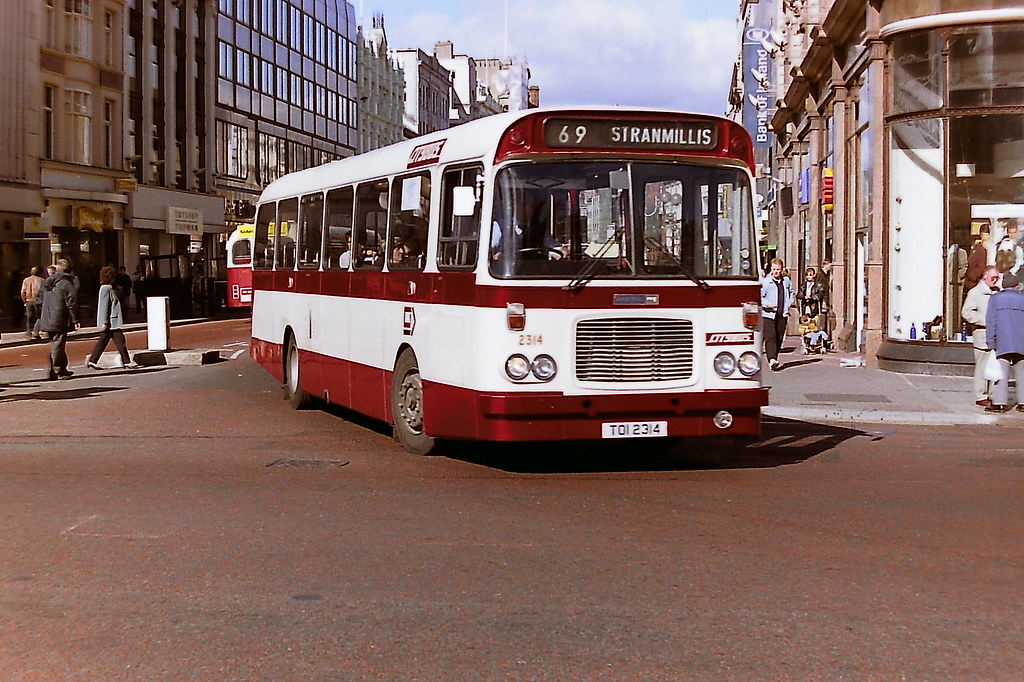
[{"x": 625, "y": 134}]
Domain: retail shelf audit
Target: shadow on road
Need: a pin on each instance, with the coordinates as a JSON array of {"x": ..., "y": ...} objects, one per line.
[
  {"x": 783, "y": 442},
  {"x": 58, "y": 394}
]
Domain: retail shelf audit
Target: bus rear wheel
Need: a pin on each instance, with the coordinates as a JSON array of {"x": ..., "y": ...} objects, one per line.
[
  {"x": 293, "y": 392},
  {"x": 407, "y": 406}
]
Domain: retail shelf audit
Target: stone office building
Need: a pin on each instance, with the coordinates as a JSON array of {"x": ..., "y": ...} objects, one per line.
[{"x": 916, "y": 107}]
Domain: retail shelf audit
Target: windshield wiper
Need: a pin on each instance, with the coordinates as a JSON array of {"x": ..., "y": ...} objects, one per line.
[
  {"x": 704, "y": 286},
  {"x": 589, "y": 271}
]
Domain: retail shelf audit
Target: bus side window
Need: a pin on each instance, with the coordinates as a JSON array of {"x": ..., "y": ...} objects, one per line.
[
  {"x": 337, "y": 249},
  {"x": 287, "y": 220},
  {"x": 263, "y": 246},
  {"x": 310, "y": 236},
  {"x": 410, "y": 210},
  {"x": 370, "y": 223},
  {"x": 459, "y": 236}
]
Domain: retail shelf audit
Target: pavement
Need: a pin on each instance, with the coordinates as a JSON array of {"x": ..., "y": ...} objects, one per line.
[
  {"x": 834, "y": 387},
  {"x": 110, "y": 357},
  {"x": 837, "y": 387}
]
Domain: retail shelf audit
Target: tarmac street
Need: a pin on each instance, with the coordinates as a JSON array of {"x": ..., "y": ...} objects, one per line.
[{"x": 184, "y": 522}]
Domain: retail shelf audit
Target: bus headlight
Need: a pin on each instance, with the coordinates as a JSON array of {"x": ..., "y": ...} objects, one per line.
[
  {"x": 544, "y": 367},
  {"x": 725, "y": 364},
  {"x": 750, "y": 364},
  {"x": 517, "y": 367}
]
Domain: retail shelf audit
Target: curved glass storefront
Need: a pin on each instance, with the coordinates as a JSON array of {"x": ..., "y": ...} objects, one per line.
[{"x": 955, "y": 131}]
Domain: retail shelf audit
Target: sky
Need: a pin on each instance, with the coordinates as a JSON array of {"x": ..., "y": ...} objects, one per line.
[{"x": 666, "y": 54}]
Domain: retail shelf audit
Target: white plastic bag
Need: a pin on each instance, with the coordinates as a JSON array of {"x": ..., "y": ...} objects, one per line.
[{"x": 993, "y": 370}]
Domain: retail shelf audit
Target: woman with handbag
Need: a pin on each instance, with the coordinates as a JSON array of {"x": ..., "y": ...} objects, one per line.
[{"x": 110, "y": 320}]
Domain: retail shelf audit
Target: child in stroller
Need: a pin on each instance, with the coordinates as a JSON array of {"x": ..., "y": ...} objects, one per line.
[{"x": 815, "y": 340}]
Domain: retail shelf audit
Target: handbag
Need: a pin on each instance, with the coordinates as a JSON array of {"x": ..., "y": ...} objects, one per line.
[{"x": 993, "y": 370}]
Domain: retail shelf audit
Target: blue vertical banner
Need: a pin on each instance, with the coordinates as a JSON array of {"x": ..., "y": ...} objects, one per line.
[{"x": 759, "y": 91}]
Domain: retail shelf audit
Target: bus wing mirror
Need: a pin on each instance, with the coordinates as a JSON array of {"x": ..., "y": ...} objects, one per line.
[
  {"x": 463, "y": 201},
  {"x": 619, "y": 179}
]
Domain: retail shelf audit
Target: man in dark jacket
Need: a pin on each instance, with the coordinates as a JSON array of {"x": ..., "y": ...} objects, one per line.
[
  {"x": 59, "y": 317},
  {"x": 1004, "y": 332}
]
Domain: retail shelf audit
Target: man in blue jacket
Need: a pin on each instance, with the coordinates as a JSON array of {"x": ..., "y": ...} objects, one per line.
[
  {"x": 1004, "y": 332},
  {"x": 777, "y": 297}
]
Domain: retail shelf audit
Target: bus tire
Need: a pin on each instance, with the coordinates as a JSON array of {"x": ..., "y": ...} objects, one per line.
[
  {"x": 407, "y": 406},
  {"x": 293, "y": 392}
]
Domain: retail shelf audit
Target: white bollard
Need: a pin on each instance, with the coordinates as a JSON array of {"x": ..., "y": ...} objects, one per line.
[{"x": 158, "y": 322}]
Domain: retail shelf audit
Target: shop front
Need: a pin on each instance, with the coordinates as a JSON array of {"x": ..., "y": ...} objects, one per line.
[
  {"x": 954, "y": 126},
  {"x": 173, "y": 238}
]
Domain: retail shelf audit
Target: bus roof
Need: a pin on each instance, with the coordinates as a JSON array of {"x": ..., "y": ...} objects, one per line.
[{"x": 475, "y": 140}]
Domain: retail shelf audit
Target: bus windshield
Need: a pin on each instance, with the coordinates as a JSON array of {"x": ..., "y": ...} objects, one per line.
[{"x": 587, "y": 220}]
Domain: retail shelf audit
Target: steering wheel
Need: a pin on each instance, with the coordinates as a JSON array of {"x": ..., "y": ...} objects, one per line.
[{"x": 544, "y": 250}]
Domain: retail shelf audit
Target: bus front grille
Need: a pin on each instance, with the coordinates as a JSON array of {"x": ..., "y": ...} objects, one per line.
[{"x": 634, "y": 350}]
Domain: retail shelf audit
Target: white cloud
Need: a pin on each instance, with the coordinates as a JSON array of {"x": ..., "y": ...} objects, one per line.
[{"x": 656, "y": 53}]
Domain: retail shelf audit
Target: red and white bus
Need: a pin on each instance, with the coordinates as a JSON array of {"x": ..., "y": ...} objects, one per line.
[
  {"x": 532, "y": 276},
  {"x": 239, "y": 266}
]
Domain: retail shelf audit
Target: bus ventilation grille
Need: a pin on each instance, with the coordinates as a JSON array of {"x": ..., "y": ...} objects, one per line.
[{"x": 634, "y": 350}]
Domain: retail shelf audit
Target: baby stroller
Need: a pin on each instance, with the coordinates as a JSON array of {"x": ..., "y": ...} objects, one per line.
[{"x": 814, "y": 339}]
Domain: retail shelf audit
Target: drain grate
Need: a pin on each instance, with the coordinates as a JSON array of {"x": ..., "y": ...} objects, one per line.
[{"x": 307, "y": 463}]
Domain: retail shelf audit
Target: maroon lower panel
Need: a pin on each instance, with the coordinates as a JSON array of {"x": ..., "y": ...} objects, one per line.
[{"x": 462, "y": 413}]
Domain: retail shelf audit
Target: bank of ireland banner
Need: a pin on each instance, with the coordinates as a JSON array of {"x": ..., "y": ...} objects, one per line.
[{"x": 759, "y": 99}]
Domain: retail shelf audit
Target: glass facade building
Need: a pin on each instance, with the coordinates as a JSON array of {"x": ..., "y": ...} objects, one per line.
[{"x": 286, "y": 92}]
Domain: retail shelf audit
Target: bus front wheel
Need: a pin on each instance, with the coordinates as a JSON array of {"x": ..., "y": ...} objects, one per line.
[
  {"x": 407, "y": 406},
  {"x": 293, "y": 392}
]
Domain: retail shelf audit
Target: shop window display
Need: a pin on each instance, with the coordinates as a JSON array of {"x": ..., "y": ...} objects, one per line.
[{"x": 956, "y": 173}]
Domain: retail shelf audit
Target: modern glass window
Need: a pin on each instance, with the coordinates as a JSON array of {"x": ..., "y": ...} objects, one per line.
[
  {"x": 985, "y": 63},
  {"x": 916, "y": 72},
  {"x": 915, "y": 217},
  {"x": 232, "y": 150}
]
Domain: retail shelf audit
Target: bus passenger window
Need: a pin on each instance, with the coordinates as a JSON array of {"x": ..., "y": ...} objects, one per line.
[
  {"x": 287, "y": 220},
  {"x": 310, "y": 231},
  {"x": 370, "y": 225},
  {"x": 338, "y": 254},
  {"x": 263, "y": 246},
  {"x": 410, "y": 208},
  {"x": 459, "y": 235}
]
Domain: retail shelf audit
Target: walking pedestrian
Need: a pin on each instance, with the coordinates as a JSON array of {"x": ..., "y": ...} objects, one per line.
[
  {"x": 974, "y": 311},
  {"x": 1004, "y": 324},
  {"x": 110, "y": 320},
  {"x": 38, "y": 333},
  {"x": 32, "y": 295},
  {"x": 138, "y": 284},
  {"x": 60, "y": 305},
  {"x": 777, "y": 297},
  {"x": 123, "y": 288}
]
